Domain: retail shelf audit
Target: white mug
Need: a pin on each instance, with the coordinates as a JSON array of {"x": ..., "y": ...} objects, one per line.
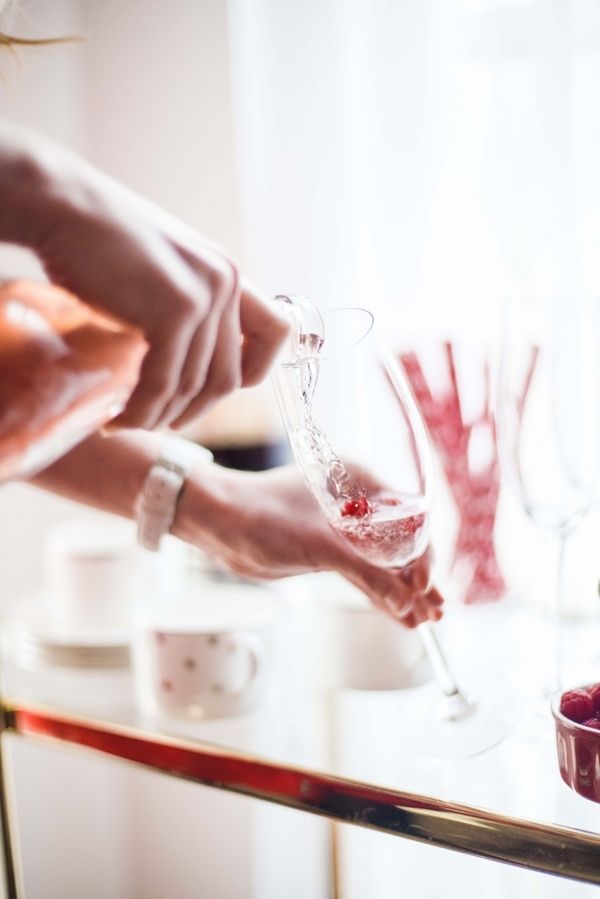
[
  {"x": 361, "y": 647},
  {"x": 92, "y": 572},
  {"x": 205, "y": 656}
]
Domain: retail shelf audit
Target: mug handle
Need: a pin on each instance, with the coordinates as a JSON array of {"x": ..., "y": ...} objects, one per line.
[{"x": 256, "y": 657}]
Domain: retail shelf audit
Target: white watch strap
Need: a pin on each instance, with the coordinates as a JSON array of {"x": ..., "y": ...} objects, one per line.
[{"x": 156, "y": 504}]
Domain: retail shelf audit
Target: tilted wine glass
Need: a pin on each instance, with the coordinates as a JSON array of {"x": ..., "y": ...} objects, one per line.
[{"x": 361, "y": 446}]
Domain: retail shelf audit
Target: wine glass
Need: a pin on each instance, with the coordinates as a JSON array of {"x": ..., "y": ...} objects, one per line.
[
  {"x": 361, "y": 446},
  {"x": 548, "y": 423}
]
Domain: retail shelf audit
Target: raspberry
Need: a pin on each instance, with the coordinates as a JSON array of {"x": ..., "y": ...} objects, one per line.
[
  {"x": 577, "y": 705},
  {"x": 592, "y": 722},
  {"x": 594, "y": 694},
  {"x": 357, "y": 508}
]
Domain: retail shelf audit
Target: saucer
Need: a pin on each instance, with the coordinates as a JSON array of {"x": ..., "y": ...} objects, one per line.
[{"x": 34, "y": 636}]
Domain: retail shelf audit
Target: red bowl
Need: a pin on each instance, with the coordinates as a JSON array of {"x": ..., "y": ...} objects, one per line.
[{"x": 578, "y": 750}]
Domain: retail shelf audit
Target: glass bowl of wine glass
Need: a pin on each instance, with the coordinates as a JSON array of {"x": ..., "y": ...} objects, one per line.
[{"x": 373, "y": 486}]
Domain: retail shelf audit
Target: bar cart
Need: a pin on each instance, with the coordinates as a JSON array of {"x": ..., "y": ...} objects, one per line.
[{"x": 472, "y": 806}]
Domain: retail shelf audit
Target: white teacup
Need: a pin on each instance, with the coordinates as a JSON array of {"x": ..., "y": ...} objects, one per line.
[
  {"x": 93, "y": 570},
  {"x": 361, "y": 647},
  {"x": 205, "y": 656}
]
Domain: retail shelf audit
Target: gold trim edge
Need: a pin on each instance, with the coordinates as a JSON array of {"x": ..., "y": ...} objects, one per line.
[{"x": 546, "y": 848}]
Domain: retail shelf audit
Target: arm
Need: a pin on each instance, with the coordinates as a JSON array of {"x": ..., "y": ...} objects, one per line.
[
  {"x": 208, "y": 331},
  {"x": 262, "y": 525}
]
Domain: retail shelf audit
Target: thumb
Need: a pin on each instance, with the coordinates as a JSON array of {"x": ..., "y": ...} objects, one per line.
[
  {"x": 264, "y": 330},
  {"x": 386, "y": 589}
]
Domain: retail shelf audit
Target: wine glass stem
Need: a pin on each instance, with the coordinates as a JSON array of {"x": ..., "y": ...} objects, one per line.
[
  {"x": 556, "y": 673},
  {"x": 437, "y": 658}
]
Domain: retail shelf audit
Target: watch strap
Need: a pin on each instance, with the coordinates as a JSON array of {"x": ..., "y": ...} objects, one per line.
[{"x": 156, "y": 505}]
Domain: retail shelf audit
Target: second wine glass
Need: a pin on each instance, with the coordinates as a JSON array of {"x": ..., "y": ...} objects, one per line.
[{"x": 548, "y": 423}]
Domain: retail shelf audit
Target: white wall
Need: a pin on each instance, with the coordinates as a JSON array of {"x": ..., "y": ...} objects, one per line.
[{"x": 157, "y": 91}]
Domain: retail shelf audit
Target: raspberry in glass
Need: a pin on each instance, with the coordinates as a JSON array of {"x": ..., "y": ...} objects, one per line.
[{"x": 357, "y": 508}]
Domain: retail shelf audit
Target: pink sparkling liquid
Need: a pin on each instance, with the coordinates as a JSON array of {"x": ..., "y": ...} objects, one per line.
[
  {"x": 389, "y": 530},
  {"x": 393, "y": 534}
]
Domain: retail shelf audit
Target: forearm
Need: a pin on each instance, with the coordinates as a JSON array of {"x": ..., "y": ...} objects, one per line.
[
  {"x": 108, "y": 473},
  {"x": 43, "y": 185},
  {"x": 104, "y": 472},
  {"x": 25, "y": 186}
]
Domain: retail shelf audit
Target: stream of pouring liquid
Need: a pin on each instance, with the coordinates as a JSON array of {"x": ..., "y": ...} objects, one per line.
[{"x": 340, "y": 483}]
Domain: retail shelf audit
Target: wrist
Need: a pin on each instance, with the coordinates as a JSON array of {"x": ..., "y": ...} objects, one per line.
[
  {"x": 203, "y": 509},
  {"x": 157, "y": 503}
]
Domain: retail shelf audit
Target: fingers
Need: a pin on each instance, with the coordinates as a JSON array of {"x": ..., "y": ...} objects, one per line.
[
  {"x": 418, "y": 573},
  {"x": 386, "y": 590},
  {"x": 224, "y": 374},
  {"x": 159, "y": 377},
  {"x": 426, "y": 608},
  {"x": 235, "y": 345},
  {"x": 403, "y": 594},
  {"x": 214, "y": 345},
  {"x": 205, "y": 342},
  {"x": 249, "y": 336},
  {"x": 193, "y": 373},
  {"x": 264, "y": 331}
]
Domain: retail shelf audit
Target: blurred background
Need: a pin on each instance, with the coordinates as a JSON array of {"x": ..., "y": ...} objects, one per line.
[{"x": 424, "y": 158}]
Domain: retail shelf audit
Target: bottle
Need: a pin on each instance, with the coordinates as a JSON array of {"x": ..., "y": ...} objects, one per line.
[{"x": 65, "y": 371}]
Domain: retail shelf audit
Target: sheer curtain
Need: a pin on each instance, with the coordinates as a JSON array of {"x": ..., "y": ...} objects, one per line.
[
  {"x": 431, "y": 155},
  {"x": 427, "y": 158}
]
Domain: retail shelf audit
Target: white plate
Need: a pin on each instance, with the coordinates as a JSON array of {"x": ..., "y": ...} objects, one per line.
[{"x": 34, "y": 636}]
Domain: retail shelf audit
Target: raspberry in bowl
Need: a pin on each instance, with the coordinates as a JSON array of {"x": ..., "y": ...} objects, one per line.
[{"x": 577, "y": 718}]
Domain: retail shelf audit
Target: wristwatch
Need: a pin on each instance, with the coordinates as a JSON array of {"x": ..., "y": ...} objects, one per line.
[{"x": 156, "y": 505}]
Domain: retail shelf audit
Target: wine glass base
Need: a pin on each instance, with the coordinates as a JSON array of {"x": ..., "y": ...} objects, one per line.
[{"x": 442, "y": 727}]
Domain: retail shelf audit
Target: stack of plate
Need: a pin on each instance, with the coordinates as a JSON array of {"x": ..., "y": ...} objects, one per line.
[{"x": 34, "y": 638}]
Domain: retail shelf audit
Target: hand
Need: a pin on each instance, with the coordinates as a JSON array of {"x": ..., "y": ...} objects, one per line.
[
  {"x": 208, "y": 332},
  {"x": 267, "y": 525}
]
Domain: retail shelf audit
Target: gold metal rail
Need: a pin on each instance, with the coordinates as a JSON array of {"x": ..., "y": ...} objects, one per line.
[{"x": 528, "y": 844}]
